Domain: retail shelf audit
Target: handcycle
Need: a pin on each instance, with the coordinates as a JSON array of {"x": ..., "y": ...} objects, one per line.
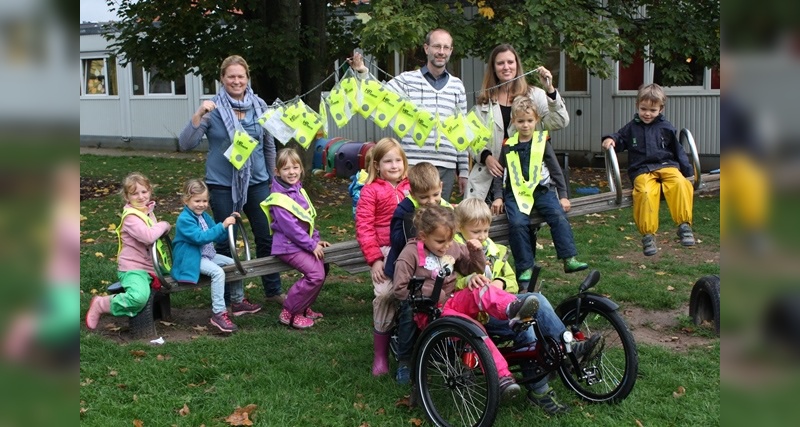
[{"x": 454, "y": 377}]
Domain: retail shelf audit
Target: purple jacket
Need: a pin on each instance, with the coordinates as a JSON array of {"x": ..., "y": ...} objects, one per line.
[{"x": 290, "y": 234}]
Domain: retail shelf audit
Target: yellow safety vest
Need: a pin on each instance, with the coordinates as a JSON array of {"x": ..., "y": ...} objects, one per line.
[
  {"x": 522, "y": 188},
  {"x": 495, "y": 256},
  {"x": 162, "y": 253},
  {"x": 442, "y": 202},
  {"x": 283, "y": 201}
]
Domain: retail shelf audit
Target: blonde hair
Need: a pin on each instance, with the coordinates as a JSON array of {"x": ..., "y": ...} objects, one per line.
[
  {"x": 427, "y": 219},
  {"x": 472, "y": 210},
  {"x": 523, "y": 105},
  {"x": 233, "y": 60},
  {"x": 382, "y": 148},
  {"x": 194, "y": 187},
  {"x": 130, "y": 182},
  {"x": 286, "y": 156},
  {"x": 516, "y": 88},
  {"x": 423, "y": 178},
  {"x": 652, "y": 93}
]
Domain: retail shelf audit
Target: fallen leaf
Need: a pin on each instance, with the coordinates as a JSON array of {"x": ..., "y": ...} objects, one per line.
[
  {"x": 135, "y": 398},
  {"x": 166, "y": 323},
  {"x": 83, "y": 411},
  {"x": 364, "y": 424},
  {"x": 403, "y": 401},
  {"x": 138, "y": 423},
  {"x": 241, "y": 416},
  {"x": 99, "y": 254},
  {"x": 670, "y": 288},
  {"x": 642, "y": 267},
  {"x": 88, "y": 241},
  {"x": 196, "y": 385},
  {"x": 184, "y": 370},
  {"x": 86, "y": 382},
  {"x": 184, "y": 411},
  {"x": 200, "y": 328},
  {"x": 679, "y": 392},
  {"x": 112, "y": 327},
  {"x": 639, "y": 423},
  {"x": 138, "y": 353},
  {"x": 628, "y": 238},
  {"x": 359, "y": 405},
  {"x": 380, "y": 411},
  {"x": 162, "y": 357},
  {"x": 660, "y": 273},
  {"x": 415, "y": 421},
  {"x": 111, "y": 227},
  {"x": 112, "y": 374}
]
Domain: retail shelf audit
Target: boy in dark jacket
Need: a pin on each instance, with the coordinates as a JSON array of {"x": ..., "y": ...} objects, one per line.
[{"x": 656, "y": 163}]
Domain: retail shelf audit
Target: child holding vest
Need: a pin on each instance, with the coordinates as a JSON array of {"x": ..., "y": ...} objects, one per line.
[
  {"x": 137, "y": 231},
  {"x": 194, "y": 254},
  {"x": 295, "y": 242},
  {"x": 530, "y": 172}
]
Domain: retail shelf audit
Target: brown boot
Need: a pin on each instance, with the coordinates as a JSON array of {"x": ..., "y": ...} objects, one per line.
[{"x": 98, "y": 307}]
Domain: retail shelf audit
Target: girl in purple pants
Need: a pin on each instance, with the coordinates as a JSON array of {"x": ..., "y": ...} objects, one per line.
[{"x": 295, "y": 241}]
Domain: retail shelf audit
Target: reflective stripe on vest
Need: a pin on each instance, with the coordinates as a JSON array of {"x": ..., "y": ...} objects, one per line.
[
  {"x": 283, "y": 201},
  {"x": 442, "y": 202},
  {"x": 521, "y": 187},
  {"x": 147, "y": 220}
]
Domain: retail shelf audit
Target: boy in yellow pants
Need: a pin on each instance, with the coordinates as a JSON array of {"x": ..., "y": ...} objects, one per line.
[{"x": 656, "y": 163}]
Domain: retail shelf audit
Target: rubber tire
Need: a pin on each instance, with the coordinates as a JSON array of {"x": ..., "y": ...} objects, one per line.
[
  {"x": 143, "y": 324},
  {"x": 434, "y": 391},
  {"x": 704, "y": 301},
  {"x": 627, "y": 362}
]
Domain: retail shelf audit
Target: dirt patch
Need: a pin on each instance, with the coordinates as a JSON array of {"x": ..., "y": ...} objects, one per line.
[{"x": 661, "y": 328}]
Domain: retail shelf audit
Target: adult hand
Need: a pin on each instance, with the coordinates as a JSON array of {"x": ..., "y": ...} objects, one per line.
[
  {"x": 462, "y": 185},
  {"x": 546, "y": 77},
  {"x": 357, "y": 62},
  {"x": 376, "y": 270},
  {"x": 497, "y": 207},
  {"x": 204, "y": 108},
  {"x": 608, "y": 143},
  {"x": 494, "y": 166},
  {"x": 565, "y": 204}
]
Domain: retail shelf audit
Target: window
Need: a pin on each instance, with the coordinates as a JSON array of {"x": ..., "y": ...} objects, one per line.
[
  {"x": 632, "y": 76},
  {"x": 576, "y": 79},
  {"x": 151, "y": 83},
  {"x": 696, "y": 72},
  {"x": 209, "y": 86},
  {"x": 98, "y": 76},
  {"x": 639, "y": 72}
]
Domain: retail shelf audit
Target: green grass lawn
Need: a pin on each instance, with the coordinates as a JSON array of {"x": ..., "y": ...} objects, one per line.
[{"x": 320, "y": 377}]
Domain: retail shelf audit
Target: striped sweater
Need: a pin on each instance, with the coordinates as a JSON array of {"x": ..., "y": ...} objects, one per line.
[{"x": 447, "y": 101}]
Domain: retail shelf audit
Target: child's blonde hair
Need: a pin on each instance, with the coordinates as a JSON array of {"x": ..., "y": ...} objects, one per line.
[
  {"x": 383, "y": 147},
  {"x": 427, "y": 219},
  {"x": 522, "y": 105},
  {"x": 286, "y": 156},
  {"x": 652, "y": 93},
  {"x": 130, "y": 181},
  {"x": 472, "y": 211},
  {"x": 423, "y": 178},
  {"x": 194, "y": 187}
]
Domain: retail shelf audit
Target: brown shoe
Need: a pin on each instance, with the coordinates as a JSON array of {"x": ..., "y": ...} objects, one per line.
[{"x": 277, "y": 299}]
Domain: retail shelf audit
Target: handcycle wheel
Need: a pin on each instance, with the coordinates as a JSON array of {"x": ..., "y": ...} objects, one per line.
[
  {"x": 612, "y": 373},
  {"x": 456, "y": 378}
]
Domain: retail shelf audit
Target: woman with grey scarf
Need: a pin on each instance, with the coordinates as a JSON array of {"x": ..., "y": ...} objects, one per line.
[{"x": 233, "y": 113}]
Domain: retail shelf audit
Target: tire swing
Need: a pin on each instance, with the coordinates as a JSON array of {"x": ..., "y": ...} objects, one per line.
[{"x": 704, "y": 302}]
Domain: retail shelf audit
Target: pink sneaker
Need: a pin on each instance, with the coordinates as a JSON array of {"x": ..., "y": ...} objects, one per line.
[
  {"x": 313, "y": 315},
  {"x": 299, "y": 321}
]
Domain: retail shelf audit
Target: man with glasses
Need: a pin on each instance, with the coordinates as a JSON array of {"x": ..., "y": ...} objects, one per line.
[{"x": 434, "y": 89}]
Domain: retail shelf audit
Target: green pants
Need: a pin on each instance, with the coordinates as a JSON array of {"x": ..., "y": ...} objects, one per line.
[
  {"x": 58, "y": 309},
  {"x": 137, "y": 291}
]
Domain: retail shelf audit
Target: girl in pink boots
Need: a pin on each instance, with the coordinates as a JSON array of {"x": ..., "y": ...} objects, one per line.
[
  {"x": 386, "y": 186},
  {"x": 137, "y": 231}
]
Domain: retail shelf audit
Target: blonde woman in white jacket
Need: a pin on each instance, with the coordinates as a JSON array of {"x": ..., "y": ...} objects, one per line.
[{"x": 504, "y": 66}]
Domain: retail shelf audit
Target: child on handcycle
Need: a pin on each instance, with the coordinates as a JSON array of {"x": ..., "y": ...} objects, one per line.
[
  {"x": 435, "y": 250},
  {"x": 473, "y": 218}
]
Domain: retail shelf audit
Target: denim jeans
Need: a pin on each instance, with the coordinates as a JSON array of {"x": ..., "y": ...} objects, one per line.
[
  {"x": 222, "y": 206},
  {"x": 406, "y": 330},
  {"x": 213, "y": 269},
  {"x": 522, "y": 236}
]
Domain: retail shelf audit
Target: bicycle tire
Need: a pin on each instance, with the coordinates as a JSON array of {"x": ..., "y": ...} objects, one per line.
[
  {"x": 614, "y": 370},
  {"x": 454, "y": 391}
]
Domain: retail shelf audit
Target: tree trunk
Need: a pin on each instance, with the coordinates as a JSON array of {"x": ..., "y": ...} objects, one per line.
[
  {"x": 281, "y": 23},
  {"x": 312, "y": 67}
]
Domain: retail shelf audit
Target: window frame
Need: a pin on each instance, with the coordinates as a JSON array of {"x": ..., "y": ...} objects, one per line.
[
  {"x": 146, "y": 77},
  {"x": 649, "y": 73},
  {"x": 108, "y": 61}
]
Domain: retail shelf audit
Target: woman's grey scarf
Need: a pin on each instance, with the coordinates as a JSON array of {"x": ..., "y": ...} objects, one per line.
[{"x": 226, "y": 106}]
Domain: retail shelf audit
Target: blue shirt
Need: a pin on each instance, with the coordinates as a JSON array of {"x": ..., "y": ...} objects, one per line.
[{"x": 437, "y": 82}]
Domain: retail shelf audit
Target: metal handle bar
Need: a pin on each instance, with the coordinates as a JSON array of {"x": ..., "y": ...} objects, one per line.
[
  {"x": 612, "y": 172},
  {"x": 232, "y": 244},
  {"x": 685, "y": 137}
]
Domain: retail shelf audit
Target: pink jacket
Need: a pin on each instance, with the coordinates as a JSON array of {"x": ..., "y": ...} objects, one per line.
[
  {"x": 137, "y": 238},
  {"x": 374, "y": 213}
]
